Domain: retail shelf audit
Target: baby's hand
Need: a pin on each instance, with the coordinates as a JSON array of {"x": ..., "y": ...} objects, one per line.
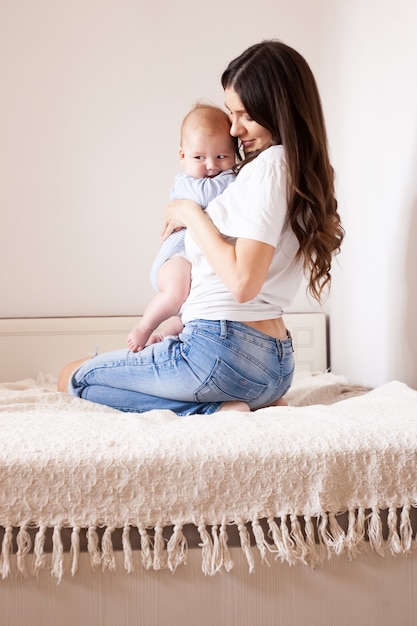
[{"x": 176, "y": 214}]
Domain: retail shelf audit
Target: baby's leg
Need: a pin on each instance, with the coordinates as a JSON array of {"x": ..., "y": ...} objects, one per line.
[
  {"x": 174, "y": 279},
  {"x": 171, "y": 326}
]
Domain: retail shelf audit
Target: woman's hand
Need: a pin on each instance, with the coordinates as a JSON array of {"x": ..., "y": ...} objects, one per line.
[
  {"x": 177, "y": 215},
  {"x": 242, "y": 265}
]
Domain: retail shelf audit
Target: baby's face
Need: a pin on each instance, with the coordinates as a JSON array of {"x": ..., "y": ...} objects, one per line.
[{"x": 205, "y": 154}]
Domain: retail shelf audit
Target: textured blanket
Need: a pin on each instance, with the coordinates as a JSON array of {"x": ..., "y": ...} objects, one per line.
[{"x": 280, "y": 476}]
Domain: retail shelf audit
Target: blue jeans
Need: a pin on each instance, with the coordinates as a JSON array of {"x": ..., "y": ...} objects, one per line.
[{"x": 209, "y": 363}]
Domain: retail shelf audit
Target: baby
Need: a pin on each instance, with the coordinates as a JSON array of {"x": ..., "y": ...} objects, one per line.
[{"x": 207, "y": 152}]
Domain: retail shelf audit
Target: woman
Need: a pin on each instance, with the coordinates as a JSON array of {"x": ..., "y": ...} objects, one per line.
[{"x": 249, "y": 251}]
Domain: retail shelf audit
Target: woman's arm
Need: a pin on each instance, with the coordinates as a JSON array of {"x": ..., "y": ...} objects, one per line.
[{"x": 242, "y": 266}]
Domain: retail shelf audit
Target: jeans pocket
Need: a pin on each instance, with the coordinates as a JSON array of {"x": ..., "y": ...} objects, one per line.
[{"x": 224, "y": 383}]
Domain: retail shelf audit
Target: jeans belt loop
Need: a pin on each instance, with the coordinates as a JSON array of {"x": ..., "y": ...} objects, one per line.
[
  {"x": 223, "y": 329},
  {"x": 289, "y": 336}
]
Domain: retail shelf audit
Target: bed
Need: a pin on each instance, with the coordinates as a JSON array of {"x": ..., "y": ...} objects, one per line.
[{"x": 278, "y": 516}]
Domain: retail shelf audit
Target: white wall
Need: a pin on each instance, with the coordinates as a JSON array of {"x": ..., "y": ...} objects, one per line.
[
  {"x": 371, "y": 90},
  {"x": 93, "y": 92}
]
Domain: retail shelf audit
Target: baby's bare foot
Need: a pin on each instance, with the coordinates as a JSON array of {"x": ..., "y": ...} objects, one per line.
[{"x": 138, "y": 337}]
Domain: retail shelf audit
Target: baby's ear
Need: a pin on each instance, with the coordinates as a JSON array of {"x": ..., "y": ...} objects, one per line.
[{"x": 181, "y": 153}]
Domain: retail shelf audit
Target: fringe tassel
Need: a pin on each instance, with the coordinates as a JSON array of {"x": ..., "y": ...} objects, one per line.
[
  {"x": 331, "y": 534},
  {"x": 288, "y": 543},
  {"x": 360, "y": 525},
  {"x": 289, "y": 539},
  {"x": 314, "y": 556},
  {"x": 221, "y": 556},
  {"x": 108, "y": 561},
  {"x": 276, "y": 536},
  {"x": 216, "y": 562},
  {"x": 24, "y": 545},
  {"x": 300, "y": 546},
  {"x": 324, "y": 534},
  {"x": 406, "y": 530},
  {"x": 214, "y": 549},
  {"x": 376, "y": 540},
  {"x": 57, "y": 554},
  {"x": 337, "y": 534},
  {"x": 145, "y": 546},
  {"x": 176, "y": 548},
  {"x": 224, "y": 549},
  {"x": 355, "y": 532},
  {"x": 93, "y": 547},
  {"x": 245, "y": 543},
  {"x": 206, "y": 546},
  {"x": 260, "y": 540},
  {"x": 394, "y": 541},
  {"x": 75, "y": 549},
  {"x": 127, "y": 550},
  {"x": 39, "y": 556},
  {"x": 159, "y": 557},
  {"x": 6, "y": 550}
]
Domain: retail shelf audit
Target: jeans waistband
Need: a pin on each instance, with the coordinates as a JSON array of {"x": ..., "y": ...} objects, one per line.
[{"x": 225, "y": 328}]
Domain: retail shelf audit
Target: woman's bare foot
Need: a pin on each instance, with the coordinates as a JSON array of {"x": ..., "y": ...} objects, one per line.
[
  {"x": 279, "y": 402},
  {"x": 66, "y": 372},
  {"x": 235, "y": 405}
]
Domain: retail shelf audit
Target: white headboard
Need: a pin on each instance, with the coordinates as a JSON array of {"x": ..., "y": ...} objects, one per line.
[{"x": 29, "y": 346}]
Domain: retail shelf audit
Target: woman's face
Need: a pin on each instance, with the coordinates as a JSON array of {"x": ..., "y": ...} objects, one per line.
[{"x": 251, "y": 135}]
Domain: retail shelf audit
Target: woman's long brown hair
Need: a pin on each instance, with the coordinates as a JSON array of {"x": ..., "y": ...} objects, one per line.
[{"x": 278, "y": 90}]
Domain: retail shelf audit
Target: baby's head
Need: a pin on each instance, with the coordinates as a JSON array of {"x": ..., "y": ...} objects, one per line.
[{"x": 207, "y": 147}]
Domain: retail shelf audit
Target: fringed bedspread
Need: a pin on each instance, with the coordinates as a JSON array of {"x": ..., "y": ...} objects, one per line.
[{"x": 279, "y": 477}]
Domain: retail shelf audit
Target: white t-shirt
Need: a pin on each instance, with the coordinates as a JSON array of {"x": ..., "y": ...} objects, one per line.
[{"x": 254, "y": 206}]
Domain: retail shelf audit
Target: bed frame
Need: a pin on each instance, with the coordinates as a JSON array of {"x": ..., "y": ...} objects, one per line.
[
  {"x": 370, "y": 590},
  {"x": 29, "y": 346}
]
